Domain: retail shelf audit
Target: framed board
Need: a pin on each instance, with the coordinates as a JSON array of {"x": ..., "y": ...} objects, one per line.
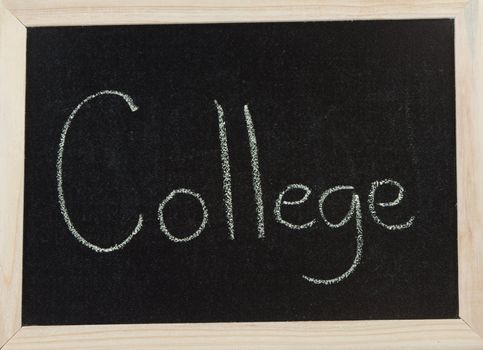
[{"x": 31, "y": 314}]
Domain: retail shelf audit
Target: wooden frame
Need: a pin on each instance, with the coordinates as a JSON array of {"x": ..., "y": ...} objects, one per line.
[{"x": 463, "y": 333}]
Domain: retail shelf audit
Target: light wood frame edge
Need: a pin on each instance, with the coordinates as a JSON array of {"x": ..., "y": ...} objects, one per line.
[
  {"x": 361, "y": 335},
  {"x": 414, "y": 334},
  {"x": 469, "y": 147},
  {"x": 12, "y": 110}
]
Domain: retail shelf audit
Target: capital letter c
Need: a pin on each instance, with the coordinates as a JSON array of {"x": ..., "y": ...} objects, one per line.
[{"x": 60, "y": 190}]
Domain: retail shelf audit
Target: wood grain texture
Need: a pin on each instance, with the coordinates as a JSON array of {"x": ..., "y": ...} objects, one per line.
[
  {"x": 370, "y": 335},
  {"x": 12, "y": 101},
  {"x": 92, "y": 12},
  {"x": 12, "y": 120},
  {"x": 469, "y": 104}
]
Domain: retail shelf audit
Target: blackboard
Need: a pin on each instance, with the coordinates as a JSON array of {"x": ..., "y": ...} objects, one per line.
[{"x": 240, "y": 172}]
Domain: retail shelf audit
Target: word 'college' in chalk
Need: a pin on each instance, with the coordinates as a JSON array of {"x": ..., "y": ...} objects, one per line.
[{"x": 353, "y": 213}]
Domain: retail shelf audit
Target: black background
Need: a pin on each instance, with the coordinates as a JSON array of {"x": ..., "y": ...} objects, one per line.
[{"x": 341, "y": 103}]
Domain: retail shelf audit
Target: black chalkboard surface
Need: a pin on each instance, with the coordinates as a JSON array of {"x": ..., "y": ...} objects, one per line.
[{"x": 240, "y": 172}]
